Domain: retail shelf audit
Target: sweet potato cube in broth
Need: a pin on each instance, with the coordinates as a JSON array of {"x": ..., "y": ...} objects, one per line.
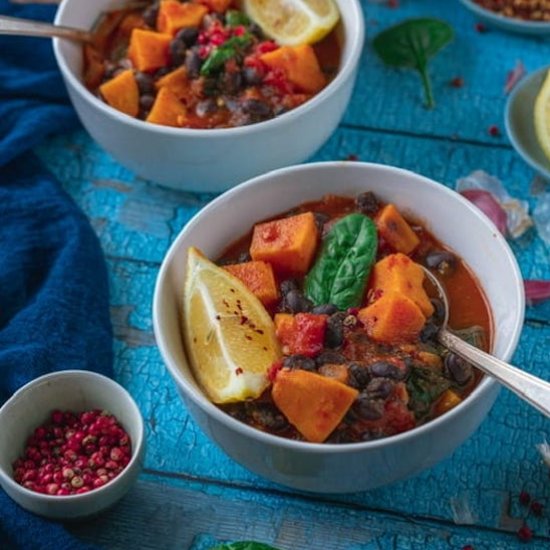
[
  {"x": 312, "y": 403},
  {"x": 122, "y": 93},
  {"x": 173, "y": 16},
  {"x": 259, "y": 279},
  {"x": 176, "y": 81},
  {"x": 148, "y": 50},
  {"x": 393, "y": 318},
  {"x": 395, "y": 230},
  {"x": 288, "y": 244},
  {"x": 300, "y": 65},
  {"x": 398, "y": 273},
  {"x": 167, "y": 110}
]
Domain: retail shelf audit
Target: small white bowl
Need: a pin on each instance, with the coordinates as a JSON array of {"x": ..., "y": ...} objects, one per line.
[
  {"x": 208, "y": 160},
  {"x": 520, "y": 123},
  {"x": 76, "y": 391},
  {"x": 338, "y": 468},
  {"x": 510, "y": 24}
]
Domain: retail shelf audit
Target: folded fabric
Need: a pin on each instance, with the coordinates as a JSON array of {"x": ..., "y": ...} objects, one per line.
[{"x": 54, "y": 306}]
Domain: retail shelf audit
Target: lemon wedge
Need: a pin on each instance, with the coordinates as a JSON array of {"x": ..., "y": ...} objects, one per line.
[
  {"x": 293, "y": 22},
  {"x": 542, "y": 116},
  {"x": 229, "y": 336}
]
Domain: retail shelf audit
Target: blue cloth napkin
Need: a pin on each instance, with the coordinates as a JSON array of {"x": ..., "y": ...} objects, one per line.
[{"x": 54, "y": 306}]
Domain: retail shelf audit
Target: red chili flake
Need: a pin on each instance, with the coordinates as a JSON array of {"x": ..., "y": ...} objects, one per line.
[
  {"x": 525, "y": 533},
  {"x": 238, "y": 371},
  {"x": 457, "y": 82},
  {"x": 536, "y": 508},
  {"x": 273, "y": 370},
  {"x": 524, "y": 498},
  {"x": 480, "y": 27},
  {"x": 244, "y": 319},
  {"x": 493, "y": 130}
]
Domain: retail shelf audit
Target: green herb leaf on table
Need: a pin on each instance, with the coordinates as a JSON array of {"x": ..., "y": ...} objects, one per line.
[
  {"x": 412, "y": 44},
  {"x": 244, "y": 545},
  {"x": 341, "y": 270}
]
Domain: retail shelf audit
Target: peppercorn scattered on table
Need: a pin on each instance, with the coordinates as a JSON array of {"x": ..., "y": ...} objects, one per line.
[{"x": 190, "y": 494}]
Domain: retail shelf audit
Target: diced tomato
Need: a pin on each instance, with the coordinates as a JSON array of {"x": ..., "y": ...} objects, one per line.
[{"x": 305, "y": 335}]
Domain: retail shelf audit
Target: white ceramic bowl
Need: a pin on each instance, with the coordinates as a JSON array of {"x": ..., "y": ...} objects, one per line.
[
  {"x": 510, "y": 24},
  {"x": 356, "y": 466},
  {"x": 208, "y": 160},
  {"x": 77, "y": 391}
]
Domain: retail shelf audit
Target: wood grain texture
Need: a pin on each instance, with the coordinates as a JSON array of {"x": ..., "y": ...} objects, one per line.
[{"x": 193, "y": 495}]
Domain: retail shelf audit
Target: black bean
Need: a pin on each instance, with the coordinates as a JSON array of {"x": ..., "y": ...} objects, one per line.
[
  {"x": 230, "y": 82},
  {"x": 299, "y": 362},
  {"x": 244, "y": 257},
  {"x": 367, "y": 203},
  {"x": 150, "y": 15},
  {"x": 358, "y": 375},
  {"x": 206, "y": 107},
  {"x": 368, "y": 408},
  {"x": 329, "y": 357},
  {"x": 251, "y": 76},
  {"x": 162, "y": 71},
  {"x": 257, "y": 108},
  {"x": 334, "y": 332},
  {"x": 193, "y": 63},
  {"x": 429, "y": 331},
  {"x": 380, "y": 388},
  {"x": 459, "y": 369},
  {"x": 268, "y": 416},
  {"x": 295, "y": 302},
  {"x": 145, "y": 82},
  {"x": 320, "y": 219},
  {"x": 325, "y": 309},
  {"x": 287, "y": 285},
  {"x": 178, "y": 52},
  {"x": 188, "y": 35},
  {"x": 442, "y": 260},
  {"x": 146, "y": 102},
  {"x": 385, "y": 369}
]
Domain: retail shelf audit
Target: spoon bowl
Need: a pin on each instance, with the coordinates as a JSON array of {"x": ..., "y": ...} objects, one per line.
[{"x": 526, "y": 386}]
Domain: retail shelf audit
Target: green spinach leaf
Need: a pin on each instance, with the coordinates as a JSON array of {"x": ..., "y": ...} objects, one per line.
[
  {"x": 412, "y": 44},
  {"x": 341, "y": 271},
  {"x": 244, "y": 545},
  {"x": 425, "y": 385}
]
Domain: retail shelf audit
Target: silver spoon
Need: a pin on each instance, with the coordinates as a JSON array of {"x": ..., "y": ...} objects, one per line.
[
  {"x": 26, "y": 27},
  {"x": 528, "y": 387}
]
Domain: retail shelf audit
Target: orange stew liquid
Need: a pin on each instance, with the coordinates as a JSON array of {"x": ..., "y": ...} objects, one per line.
[
  {"x": 399, "y": 385},
  {"x": 201, "y": 64}
]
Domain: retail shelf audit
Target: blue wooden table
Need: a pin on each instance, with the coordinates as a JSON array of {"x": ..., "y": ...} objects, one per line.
[{"x": 191, "y": 494}]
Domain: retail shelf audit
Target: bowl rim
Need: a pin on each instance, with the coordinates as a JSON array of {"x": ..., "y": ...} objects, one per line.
[
  {"x": 211, "y": 410},
  {"x": 137, "y": 446},
  {"x": 524, "y": 153},
  {"x": 345, "y": 72},
  {"x": 506, "y": 22}
]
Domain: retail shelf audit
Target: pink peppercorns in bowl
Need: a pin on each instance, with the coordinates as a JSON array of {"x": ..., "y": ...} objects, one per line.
[{"x": 71, "y": 444}]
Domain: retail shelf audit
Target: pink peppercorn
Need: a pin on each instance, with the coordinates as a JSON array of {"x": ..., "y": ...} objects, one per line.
[
  {"x": 525, "y": 533},
  {"x": 62, "y": 456}
]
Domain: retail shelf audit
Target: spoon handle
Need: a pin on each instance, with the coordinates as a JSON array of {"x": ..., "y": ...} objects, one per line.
[
  {"x": 26, "y": 27},
  {"x": 530, "y": 388}
]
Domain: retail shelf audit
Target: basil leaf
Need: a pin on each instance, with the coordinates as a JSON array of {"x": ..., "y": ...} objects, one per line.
[
  {"x": 219, "y": 55},
  {"x": 341, "y": 270},
  {"x": 244, "y": 545},
  {"x": 412, "y": 44}
]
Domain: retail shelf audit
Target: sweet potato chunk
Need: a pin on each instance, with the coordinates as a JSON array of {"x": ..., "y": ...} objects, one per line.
[
  {"x": 301, "y": 334},
  {"x": 312, "y": 403},
  {"x": 398, "y": 273},
  {"x": 258, "y": 278},
  {"x": 122, "y": 93},
  {"x": 393, "y": 318},
  {"x": 176, "y": 81},
  {"x": 300, "y": 65},
  {"x": 448, "y": 400},
  {"x": 395, "y": 230},
  {"x": 148, "y": 50},
  {"x": 174, "y": 15},
  {"x": 167, "y": 110},
  {"x": 287, "y": 244},
  {"x": 215, "y": 5}
]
